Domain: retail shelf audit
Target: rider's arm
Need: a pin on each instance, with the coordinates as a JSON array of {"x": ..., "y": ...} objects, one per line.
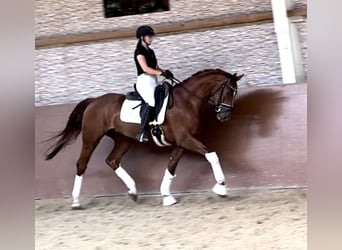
[
  {"x": 159, "y": 68},
  {"x": 146, "y": 68}
]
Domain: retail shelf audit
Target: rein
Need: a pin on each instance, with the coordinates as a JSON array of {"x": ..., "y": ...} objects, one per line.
[
  {"x": 190, "y": 92},
  {"x": 219, "y": 106}
]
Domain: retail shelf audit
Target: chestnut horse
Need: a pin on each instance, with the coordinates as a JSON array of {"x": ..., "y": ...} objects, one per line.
[{"x": 206, "y": 90}]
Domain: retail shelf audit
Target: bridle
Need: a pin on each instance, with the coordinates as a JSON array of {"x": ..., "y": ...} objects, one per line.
[{"x": 220, "y": 107}]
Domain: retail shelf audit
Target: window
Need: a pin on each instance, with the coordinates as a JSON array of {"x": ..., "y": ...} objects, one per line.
[{"x": 115, "y": 8}]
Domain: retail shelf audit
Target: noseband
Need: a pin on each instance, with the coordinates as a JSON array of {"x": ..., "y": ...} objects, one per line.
[{"x": 221, "y": 107}]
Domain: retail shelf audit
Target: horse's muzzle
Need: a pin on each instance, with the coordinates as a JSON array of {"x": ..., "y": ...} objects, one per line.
[
  {"x": 223, "y": 116},
  {"x": 223, "y": 112}
]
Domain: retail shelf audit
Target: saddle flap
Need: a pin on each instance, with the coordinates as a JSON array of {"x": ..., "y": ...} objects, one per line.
[{"x": 133, "y": 96}]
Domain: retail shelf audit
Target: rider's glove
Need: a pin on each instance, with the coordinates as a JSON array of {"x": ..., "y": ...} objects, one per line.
[{"x": 167, "y": 74}]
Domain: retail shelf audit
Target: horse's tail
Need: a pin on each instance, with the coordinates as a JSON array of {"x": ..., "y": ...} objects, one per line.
[{"x": 71, "y": 130}]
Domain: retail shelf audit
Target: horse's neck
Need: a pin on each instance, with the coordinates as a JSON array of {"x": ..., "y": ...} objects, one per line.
[
  {"x": 203, "y": 87},
  {"x": 195, "y": 95}
]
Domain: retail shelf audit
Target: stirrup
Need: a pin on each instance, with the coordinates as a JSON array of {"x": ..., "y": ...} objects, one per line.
[{"x": 142, "y": 137}]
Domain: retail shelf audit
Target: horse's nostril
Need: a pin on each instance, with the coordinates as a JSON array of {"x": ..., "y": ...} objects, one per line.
[{"x": 221, "y": 117}]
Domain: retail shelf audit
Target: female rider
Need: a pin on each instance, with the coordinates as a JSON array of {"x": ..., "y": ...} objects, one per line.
[{"x": 147, "y": 71}]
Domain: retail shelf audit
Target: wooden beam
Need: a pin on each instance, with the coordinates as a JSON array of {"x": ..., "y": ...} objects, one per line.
[
  {"x": 297, "y": 12},
  {"x": 163, "y": 29}
]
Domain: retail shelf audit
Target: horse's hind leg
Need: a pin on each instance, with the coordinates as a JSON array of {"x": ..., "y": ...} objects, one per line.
[
  {"x": 121, "y": 146},
  {"x": 88, "y": 146},
  {"x": 169, "y": 174}
]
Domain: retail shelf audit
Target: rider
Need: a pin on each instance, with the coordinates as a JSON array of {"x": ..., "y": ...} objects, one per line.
[{"x": 147, "y": 71}]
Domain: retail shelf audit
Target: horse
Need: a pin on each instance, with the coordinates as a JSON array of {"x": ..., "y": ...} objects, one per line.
[{"x": 205, "y": 91}]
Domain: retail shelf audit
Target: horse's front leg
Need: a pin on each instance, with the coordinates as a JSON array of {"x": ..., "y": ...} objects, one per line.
[
  {"x": 169, "y": 175},
  {"x": 195, "y": 145},
  {"x": 220, "y": 187}
]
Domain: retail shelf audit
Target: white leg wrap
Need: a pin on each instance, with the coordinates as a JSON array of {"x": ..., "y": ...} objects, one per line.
[
  {"x": 76, "y": 191},
  {"x": 220, "y": 190},
  {"x": 215, "y": 165},
  {"x": 166, "y": 183},
  {"x": 127, "y": 179},
  {"x": 169, "y": 200},
  {"x": 165, "y": 186}
]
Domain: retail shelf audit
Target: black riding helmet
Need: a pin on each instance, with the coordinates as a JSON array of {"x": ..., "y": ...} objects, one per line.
[{"x": 145, "y": 30}]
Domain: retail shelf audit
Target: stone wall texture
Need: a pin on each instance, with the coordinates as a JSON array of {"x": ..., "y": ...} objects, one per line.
[
  {"x": 66, "y": 74},
  {"x": 55, "y": 17}
]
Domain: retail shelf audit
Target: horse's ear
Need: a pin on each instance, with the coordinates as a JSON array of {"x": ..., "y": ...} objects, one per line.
[
  {"x": 239, "y": 77},
  {"x": 234, "y": 75}
]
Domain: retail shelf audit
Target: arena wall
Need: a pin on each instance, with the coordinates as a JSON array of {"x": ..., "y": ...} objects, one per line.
[{"x": 262, "y": 146}]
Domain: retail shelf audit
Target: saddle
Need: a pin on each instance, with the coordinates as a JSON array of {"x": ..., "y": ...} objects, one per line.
[
  {"x": 161, "y": 92},
  {"x": 133, "y": 108}
]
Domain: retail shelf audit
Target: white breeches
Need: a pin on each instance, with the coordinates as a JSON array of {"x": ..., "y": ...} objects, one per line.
[{"x": 146, "y": 85}]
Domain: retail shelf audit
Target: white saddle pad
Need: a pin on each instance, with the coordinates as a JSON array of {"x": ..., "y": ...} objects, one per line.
[{"x": 131, "y": 113}]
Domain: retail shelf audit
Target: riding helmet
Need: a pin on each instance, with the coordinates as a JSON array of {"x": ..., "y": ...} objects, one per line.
[{"x": 145, "y": 30}]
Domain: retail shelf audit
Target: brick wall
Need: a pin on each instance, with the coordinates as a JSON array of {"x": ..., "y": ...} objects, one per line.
[
  {"x": 71, "y": 73},
  {"x": 54, "y": 17}
]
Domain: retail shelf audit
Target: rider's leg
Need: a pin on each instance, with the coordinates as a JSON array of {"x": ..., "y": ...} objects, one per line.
[
  {"x": 146, "y": 115},
  {"x": 146, "y": 85}
]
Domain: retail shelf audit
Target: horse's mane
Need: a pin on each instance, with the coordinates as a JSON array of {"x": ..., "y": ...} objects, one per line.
[{"x": 205, "y": 72}]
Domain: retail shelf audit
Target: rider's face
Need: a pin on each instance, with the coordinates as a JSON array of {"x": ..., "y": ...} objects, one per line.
[{"x": 148, "y": 39}]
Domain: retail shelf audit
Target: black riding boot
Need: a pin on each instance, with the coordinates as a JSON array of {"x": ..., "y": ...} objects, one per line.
[{"x": 146, "y": 115}]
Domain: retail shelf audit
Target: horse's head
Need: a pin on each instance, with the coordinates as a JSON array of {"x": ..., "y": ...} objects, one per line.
[
  {"x": 216, "y": 87},
  {"x": 224, "y": 96}
]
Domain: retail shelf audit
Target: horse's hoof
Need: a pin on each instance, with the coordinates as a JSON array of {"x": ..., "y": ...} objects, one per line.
[
  {"x": 76, "y": 206},
  {"x": 169, "y": 200},
  {"x": 222, "y": 196},
  {"x": 133, "y": 196},
  {"x": 220, "y": 190}
]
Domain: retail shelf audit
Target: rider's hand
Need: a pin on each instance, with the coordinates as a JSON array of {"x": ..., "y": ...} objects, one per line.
[{"x": 167, "y": 74}]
